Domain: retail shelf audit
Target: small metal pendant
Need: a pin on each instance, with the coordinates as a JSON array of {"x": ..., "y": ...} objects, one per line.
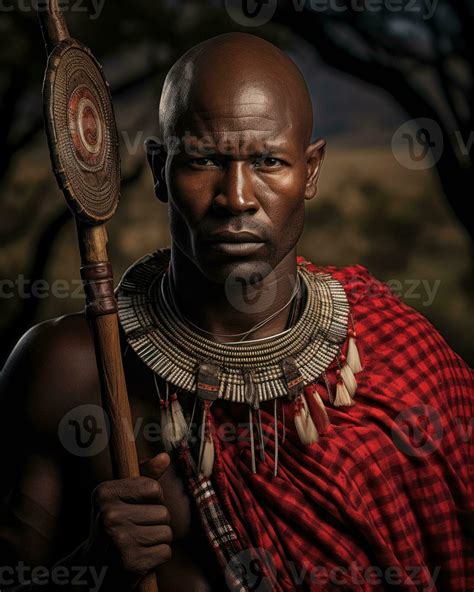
[
  {"x": 294, "y": 379},
  {"x": 208, "y": 381},
  {"x": 250, "y": 393}
]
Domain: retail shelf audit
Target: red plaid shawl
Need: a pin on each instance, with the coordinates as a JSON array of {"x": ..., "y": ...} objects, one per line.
[{"x": 384, "y": 500}]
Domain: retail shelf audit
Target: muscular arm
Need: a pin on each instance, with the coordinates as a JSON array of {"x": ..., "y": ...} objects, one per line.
[
  {"x": 47, "y": 374},
  {"x": 46, "y": 514}
]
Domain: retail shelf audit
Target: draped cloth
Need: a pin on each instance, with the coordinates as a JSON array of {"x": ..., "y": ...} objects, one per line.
[{"x": 384, "y": 499}]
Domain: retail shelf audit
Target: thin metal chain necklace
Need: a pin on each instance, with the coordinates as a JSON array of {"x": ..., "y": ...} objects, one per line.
[{"x": 243, "y": 334}]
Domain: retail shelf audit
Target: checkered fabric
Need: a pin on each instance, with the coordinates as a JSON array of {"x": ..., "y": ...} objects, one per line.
[
  {"x": 384, "y": 500},
  {"x": 219, "y": 531}
]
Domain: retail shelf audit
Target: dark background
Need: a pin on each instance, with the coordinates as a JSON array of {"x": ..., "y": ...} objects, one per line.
[{"x": 395, "y": 200}]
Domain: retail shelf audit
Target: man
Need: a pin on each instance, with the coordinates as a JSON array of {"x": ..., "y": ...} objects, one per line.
[{"x": 289, "y": 460}]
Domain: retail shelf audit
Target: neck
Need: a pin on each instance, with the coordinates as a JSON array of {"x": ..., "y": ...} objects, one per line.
[{"x": 210, "y": 306}]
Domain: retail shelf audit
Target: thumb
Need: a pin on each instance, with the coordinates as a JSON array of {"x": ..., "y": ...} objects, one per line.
[{"x": 156, "y": 466}]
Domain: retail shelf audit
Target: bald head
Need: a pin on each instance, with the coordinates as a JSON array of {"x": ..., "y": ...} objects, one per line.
[
  {"x": 236, "y": 123},
  {"x": 235, "y": 70}
]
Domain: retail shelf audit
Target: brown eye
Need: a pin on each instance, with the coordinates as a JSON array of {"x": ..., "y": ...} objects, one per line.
[{"x": 268, "y": 162}]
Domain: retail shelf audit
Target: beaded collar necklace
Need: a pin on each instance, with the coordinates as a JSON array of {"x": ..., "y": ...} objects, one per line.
[
  {"x": 248, "y": 373},
  {"x": 174, "y": 351}
]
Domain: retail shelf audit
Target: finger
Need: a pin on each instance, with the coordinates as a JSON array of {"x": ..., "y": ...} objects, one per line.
[
  {"x": 156, "y": 555},
  {"x": 139, "y": 490},
  {"x": 131, "y": 490},
  {"x": 155, "y": 467},
  {"x": 142, "y": 560},
  {"x": 150, "y": 536},
  {"x": 148, "y": 514}
]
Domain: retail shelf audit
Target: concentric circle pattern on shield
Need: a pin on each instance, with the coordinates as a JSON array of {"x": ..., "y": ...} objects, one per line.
[{"x": 82, "y": 132}]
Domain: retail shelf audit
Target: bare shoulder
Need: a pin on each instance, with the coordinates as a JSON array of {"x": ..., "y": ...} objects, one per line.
[
  {"x": 58, "y": 336},
  {"x": 51, "y": 370}
]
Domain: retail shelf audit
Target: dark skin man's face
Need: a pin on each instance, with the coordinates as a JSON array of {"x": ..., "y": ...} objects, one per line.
[
  {"x": 243, "y": 164},
  {"x": 244, "y": 172}
]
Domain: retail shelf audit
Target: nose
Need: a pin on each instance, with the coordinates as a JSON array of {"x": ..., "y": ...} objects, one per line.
[{"x": 235, "y": 191}]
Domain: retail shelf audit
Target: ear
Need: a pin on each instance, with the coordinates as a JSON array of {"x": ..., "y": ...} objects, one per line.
[
  {"x": 314, "y": 161},
  {"x": 156, "y": 157}
]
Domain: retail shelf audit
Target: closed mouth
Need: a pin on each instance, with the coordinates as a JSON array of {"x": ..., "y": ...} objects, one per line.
[{"x": 234, "y": 237}]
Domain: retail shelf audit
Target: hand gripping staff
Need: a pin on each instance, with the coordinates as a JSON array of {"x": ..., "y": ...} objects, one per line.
[{"x": 84, "y": 150}]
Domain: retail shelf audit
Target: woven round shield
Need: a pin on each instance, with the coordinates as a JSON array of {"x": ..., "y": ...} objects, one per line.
[{"x": 81, "y": 131}]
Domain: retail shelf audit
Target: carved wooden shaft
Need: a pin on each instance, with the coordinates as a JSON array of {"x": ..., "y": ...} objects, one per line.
[
  {"x": 101, "y": 308},
  {"x": 98, "y": 283},
  {"x": 84, "y": 149},
  {"x": 53, "y": 24}
]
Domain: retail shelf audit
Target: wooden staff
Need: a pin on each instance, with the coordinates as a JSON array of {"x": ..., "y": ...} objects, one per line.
[{"x": 84, "y": 150}]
